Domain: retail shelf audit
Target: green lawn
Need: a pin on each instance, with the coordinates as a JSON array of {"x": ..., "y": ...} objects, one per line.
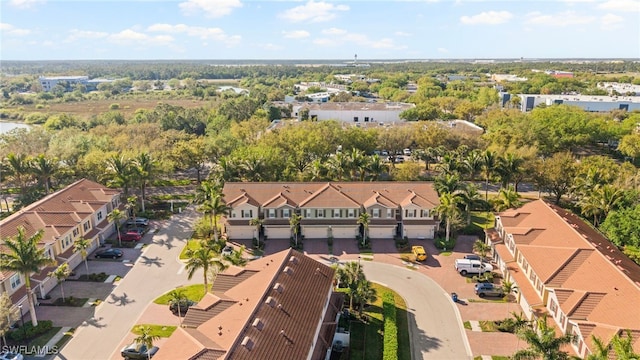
[
  {"x": 480, "y": 220},
  {"x": 42, "y": 339},
  {"x": 158, "y": 330},
  {"x": 366, "y": 338},
  {"x": 193, "y": 292},
  {"x": 192, "y": 244}
]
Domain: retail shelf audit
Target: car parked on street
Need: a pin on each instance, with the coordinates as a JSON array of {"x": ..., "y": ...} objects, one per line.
[
  {"x": 138, "y": 221},
  {"x": 419, "y": 252},
  {"x": 465, "y": 266},
  {"x": 488, "y": 289},
  {"x": 138, "y": 230},
  {"x": 227, "y": 251},
  {"x": 138, "y": 352},
  {"x": 110, "y": 253},
  {"x": 472, "y": 257},
  {"x": 8, "y": 355},
  {"x": 130, "y": 236}
]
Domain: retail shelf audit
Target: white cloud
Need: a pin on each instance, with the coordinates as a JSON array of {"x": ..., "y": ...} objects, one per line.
[
  {"x": 296, "y": 34},
  {"x": 334, "y": 31},
  {"x": 8, "y": 29},
  {"x": 487, "y": 18},
  {"x": 75, "y": 34},
  {"x": 401, "y": 33},
  {"x": 566, "y": 18},
  {"x": 25, "y": 4},
  {"x": 313, "y": 12},
  {"x": 211, "y": 8},
  {"x": 621, "y": 5},
  {"x": 128, "y": 37},
  {"x": 443, "y": 50},
  {"x": 196, "y": 31},
  {"x": 611, "y": 22}
]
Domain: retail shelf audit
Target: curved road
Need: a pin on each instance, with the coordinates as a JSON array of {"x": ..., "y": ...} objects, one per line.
[{"x": 434, "y": 322}]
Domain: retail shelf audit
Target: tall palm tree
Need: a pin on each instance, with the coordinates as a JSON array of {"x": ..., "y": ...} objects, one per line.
[
  {"x": 488, "y": 168},
  {"x": 116, "y": 217},
  {"x": 543, "y": 343},
  {"x": 177, "y": 298},
  {"x": 364, "y": 293},
  {"x": 364, "y": 220},
  {"x": 338, "y": 165},
  {"x": 357, "y": 163},
  {"x": 61, "y": 274},
  {"x": 469, "y": 198},
  {"x": 120, "y": 169},
  {"x": 509, "y": 167},
  {"x": 294, "y": 222},
  {"x": 44, "y": 169},
  {"x": 146, "y": 339},
  {"x": 449, "y": 164},
  {"x": 257, "y": 222},
  {"x": 375, "y": 167},
  {"x": 350, "y": 275},
  {"x": 26, "y": 258},
  {"x": 144, "y": 167},
  {"x": 448, "y": 208},
  {"x": 19, "y": 167},
  {"x": 481, "y": 248},
  {"x": 215, "y": 207},
  {"x": 81, "y": 245},
  {"x": 508, "y": 198},
  {"x": 600, "y": 350},
  {"x": 623, "y": 347},
  {"x": 202, "y": 258},
  {"x": 447, "y": 183},
  {"x": 473, "y": 164}
]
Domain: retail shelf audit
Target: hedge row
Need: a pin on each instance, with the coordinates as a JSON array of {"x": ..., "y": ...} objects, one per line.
[
  {"x": 390, "y": 327},
  {"x": 29, "y": 331}
]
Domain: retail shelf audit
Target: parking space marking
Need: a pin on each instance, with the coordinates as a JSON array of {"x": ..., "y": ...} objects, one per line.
[{"x": 181, "y": 269}]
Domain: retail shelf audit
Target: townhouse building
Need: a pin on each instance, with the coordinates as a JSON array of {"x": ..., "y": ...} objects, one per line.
[
  {"x": 78, "y": 210},
  {"x": 567, "y": 270},
  {"x": 331, "y": 209}
]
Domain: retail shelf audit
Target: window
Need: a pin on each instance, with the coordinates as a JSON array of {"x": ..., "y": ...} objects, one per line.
[
  {"x": 86, "y": 226},
  {"x": 410, "y": 213},
  {"x": 308, "y": 213},
  {"x": 271, "y": 213},
  {"x": 336, "y": 213},
  {"x": 375, "y": 213},
  {"x": 366, "y": 119},
  {"x": 286, "y": 213},
  {"x": 246, "y": 213},
  {"x": 553, "y": 307},
  {"x": 355, "y": 119},
  {"x": 351, "y": 213},
  {"x": 99, "y": 216},
  {"x": 424, "y": 213},
  {"x": 16, "y": 281},
  {"x": 75, "y": 232},
  {"x": 233, "y": 214},
  {"x": 320, "y": 213}
]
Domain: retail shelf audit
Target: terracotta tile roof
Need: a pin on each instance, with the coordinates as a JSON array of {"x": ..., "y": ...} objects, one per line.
[
  {"x": 358, "y": 192},
  {"x": 547, "y": 260},
  {"x": 279, "y": 201},
  {"x": 493, "y": 235},
  {"x": 286, "y": 292},
  {"x": 524, "y": 286},
  {"x": 378, "y": 199},
  {"x": 244, "y": 198},
  {"x": 329, "y": 196},
  {"x": 417, "y": 200},
  {"x": 504, "y": 253}
]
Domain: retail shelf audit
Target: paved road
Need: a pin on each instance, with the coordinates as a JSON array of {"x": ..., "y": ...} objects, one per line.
[
  {"x": 434, "y": 323},
  {"x": 156, "y": 272}
]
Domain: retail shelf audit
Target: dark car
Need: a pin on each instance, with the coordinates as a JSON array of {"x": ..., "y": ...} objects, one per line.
[
  {"x": 488, "y": 289},
  {"x": 139, "y": 221},
  {"x": 138, "y": 351},
  {"x": 184, "y": 307},
  {"x": 109, "y": 254},
  {"x": 472, "y": 257},
  {"x": 130, "y": 236}
]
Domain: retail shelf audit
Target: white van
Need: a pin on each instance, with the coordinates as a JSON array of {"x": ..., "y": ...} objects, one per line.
[{"x": 466, "y": 266}]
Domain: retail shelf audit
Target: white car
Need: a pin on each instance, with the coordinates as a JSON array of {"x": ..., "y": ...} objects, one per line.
[
  {"x": 227, "y": 251},
  {"x": 7, "y": 355}
]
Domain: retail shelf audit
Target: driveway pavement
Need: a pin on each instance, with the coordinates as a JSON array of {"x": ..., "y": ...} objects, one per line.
[{"x": 156, "y": 271}]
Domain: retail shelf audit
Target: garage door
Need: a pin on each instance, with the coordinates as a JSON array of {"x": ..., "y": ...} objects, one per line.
[
  {"x": 315, "y": 232},
  {"x": 381, "y": 232},
  {"x": 344, "y": 233},
  {"x": 421, "y": 232},
  {"x": 277, "y": 233},
  {"x": 240, "y": 233}
]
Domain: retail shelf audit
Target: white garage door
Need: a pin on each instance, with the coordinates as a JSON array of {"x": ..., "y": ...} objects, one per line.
[
  {"x": 381, "y": 232},
  {"x": 240, "y": 233},
  {"x": 421, "y": 232},
  {"x": 344, "y": 233},
  {"x": 277, "y": 233},
  {"x": 315, "y": 232}
]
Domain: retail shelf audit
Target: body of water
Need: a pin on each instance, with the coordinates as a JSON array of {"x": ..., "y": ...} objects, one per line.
[{"x": 5, "y": 127}]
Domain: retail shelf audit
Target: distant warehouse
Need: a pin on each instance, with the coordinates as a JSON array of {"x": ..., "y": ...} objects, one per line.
[
  {"x": 69, "y": 82},
  {"x": 587, "y": 102},
  {"x": 352, "y": 112}
]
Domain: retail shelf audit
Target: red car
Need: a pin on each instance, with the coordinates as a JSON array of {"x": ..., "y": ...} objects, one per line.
[{"x": 130, "y": 236}]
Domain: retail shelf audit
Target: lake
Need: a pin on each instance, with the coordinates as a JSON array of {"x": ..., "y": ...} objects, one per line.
[{"x": 5, "y": 127}]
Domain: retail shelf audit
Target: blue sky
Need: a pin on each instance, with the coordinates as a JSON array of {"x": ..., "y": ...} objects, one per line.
[{"x": 319, "y": 29}]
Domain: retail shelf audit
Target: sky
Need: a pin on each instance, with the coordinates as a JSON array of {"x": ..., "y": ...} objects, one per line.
[{"x": 318, "y": 29}]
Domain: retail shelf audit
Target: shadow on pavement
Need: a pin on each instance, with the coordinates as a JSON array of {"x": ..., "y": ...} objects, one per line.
[{"x": 122, "y": 300}]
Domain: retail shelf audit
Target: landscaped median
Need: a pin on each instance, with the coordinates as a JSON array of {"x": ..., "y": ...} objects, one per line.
[
  {"x": 163, "y": 331},
  {"x": 192, "y": 292}
]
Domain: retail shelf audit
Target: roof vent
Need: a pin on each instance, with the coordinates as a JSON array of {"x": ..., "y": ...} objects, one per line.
[
  {"x": 287, "y": 270},
  {"x": 270, "y": 301},
  {"x": 258, "y": 324},
  {"x": 285, "y": 336},
  {"x": 247, "y": 343},
  {"x": 278, "y": 287},
  {"x": 293, "y": 260}
]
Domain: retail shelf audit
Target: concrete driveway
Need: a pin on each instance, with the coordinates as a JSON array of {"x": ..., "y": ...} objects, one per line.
[{"x": 434, "y": 321}]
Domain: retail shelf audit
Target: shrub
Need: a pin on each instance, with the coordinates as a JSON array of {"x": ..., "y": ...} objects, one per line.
[
  {"x": 28, "y": 331},
  {"x": 390, "y": 327},
  {"x": 114, "y": 106},
  {"x": 442, "y": 244}
]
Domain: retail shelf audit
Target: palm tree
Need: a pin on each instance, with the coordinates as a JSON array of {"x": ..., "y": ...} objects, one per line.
[
  {"x": 357, "y": 163},
  {"x": 448, "y": 208},
  {"x": 481, "y": 248},
  {"x": 338, "y": 165},
  {"x": 121, "y": 171},
  {"x": 363, "y": 294},
  {"x": 364, "y": 220},
  {"x": 509, "y": 167},
  {"x": 473, "y": 164},
  {"x": 543, "y": 343},
  {"x": 257, "y": 222},
  {"x": 350, "y": 274},
  {"x": 623, "y": 347},
  {"x": 488, "y": 167},
  {"x": 26, "y": 258},
  {"x": 447, "y": 183},
  {"x": 144, "y": 167},
  {"x": 294, "y": 222},
  {"x": 202, "y": 258},
  {"x": 601, "y": 201},
  {"x": 508, "y": 198},
  {"x": 116, "y": 217},
  {"x": 177, "y": 298},
  {"x": 601, "y": 350},
  {"x": 469, "y": 198},
  {"x": 508, "y": 287},
  {"x": 216, "y": 207},
  {"x": 19, "y": 168},
  {"x": 146, "y": 339},
  {"x": 44, "y": 169},
  {"x": 61, "y": 274},
  {"x": 376, "y": 167},
  {"x": 82, "y": 244}
]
